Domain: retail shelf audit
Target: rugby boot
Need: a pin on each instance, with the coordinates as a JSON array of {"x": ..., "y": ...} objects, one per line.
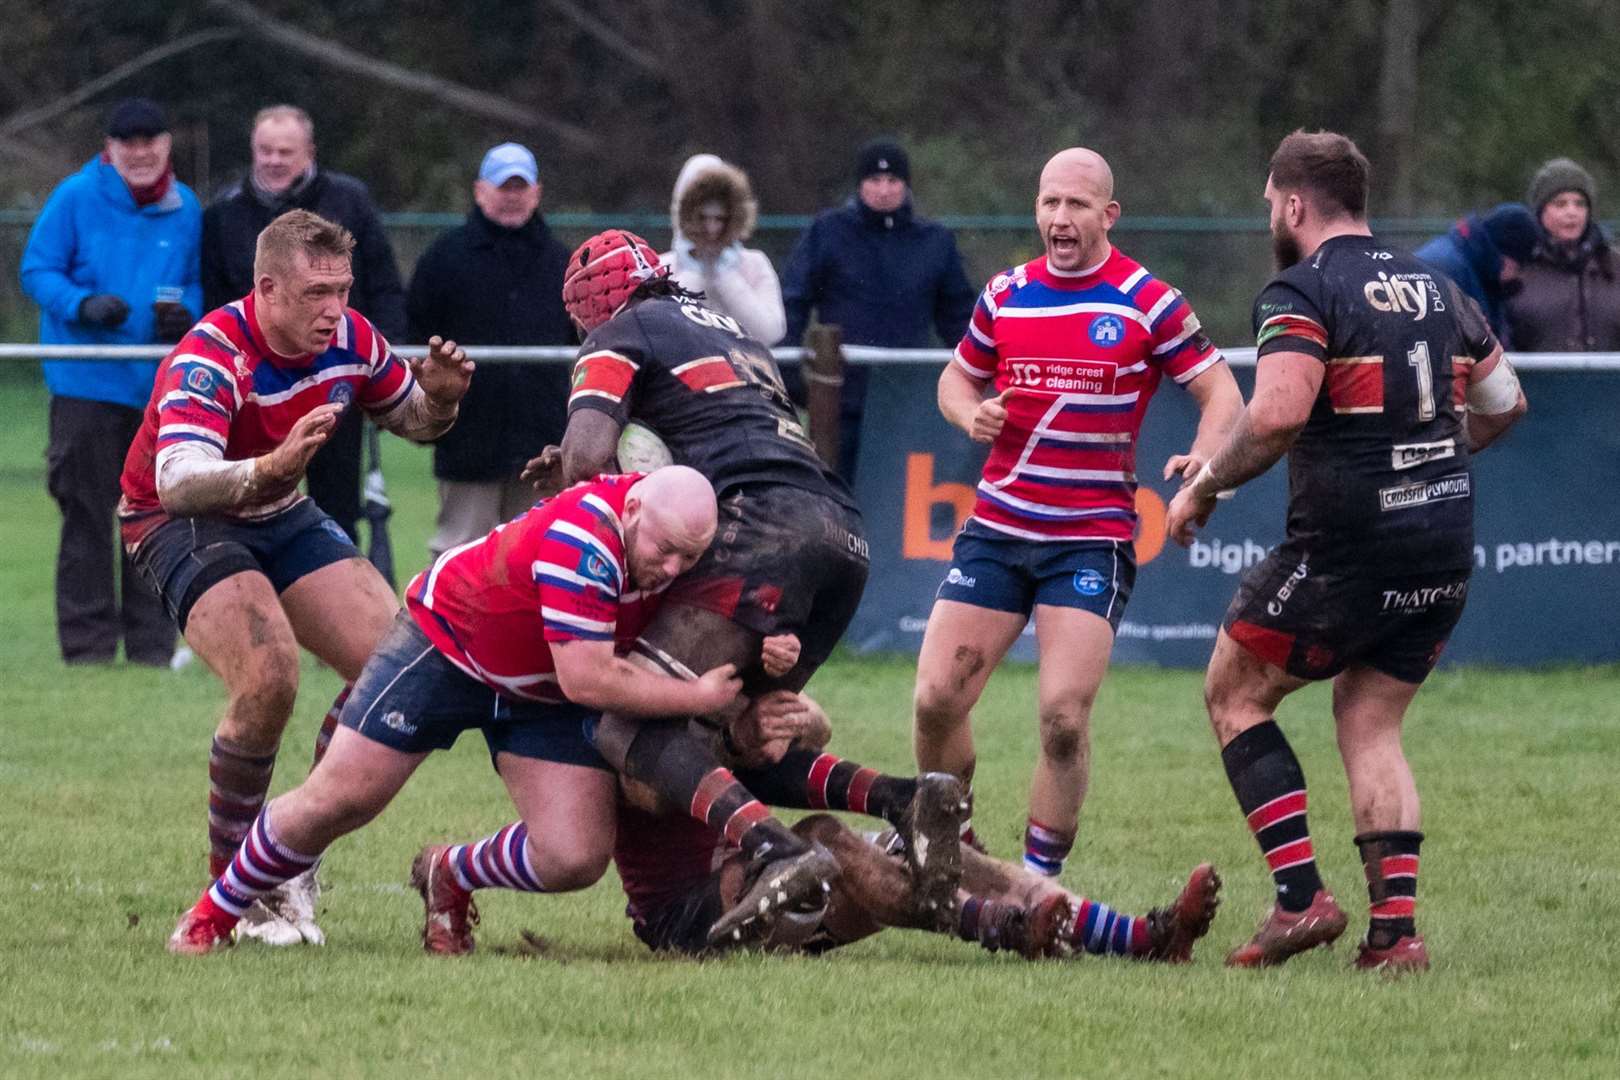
[
  {"x": 795, "y": 883},
  {"x": 1031, "y": 932},
  {"x": 449, "y": 909},
  {"x": 931, "y": 830},
  {"x": 259, "y": 923},
  {"x": 1284, "y": 933},
  {"x": 293, "y": 903},
  {"x": 1406, "y": 954},
  {"x": 197, "y": 934},
  {"x": 1173, "y": 929}
]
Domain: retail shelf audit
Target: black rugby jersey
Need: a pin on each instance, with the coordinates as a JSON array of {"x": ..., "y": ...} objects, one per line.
[
  {"x": 1380, "y": 474},
  {"x": 712, "y": 393}
]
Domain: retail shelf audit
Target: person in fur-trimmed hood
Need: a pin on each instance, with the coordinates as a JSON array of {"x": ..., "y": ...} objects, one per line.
[{"x": 712, "y": 211}]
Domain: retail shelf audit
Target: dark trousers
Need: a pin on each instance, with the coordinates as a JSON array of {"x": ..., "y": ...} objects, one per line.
[
  {"x": 83, "y": 460},
  {"x": 334, "y": 473}
]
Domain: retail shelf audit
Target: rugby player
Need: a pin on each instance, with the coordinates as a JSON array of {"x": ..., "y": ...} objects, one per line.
[
  {"x": 1070, "y": 348},
  {"x": 514, "y": 634},
  {"x": 790, "y": 556},
  {"x": 678, "y": 876},
  {"x": 211, "y": 515},
  {"x": 1379, "y": 379}
]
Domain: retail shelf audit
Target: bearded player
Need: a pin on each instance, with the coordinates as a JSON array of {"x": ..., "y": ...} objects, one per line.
[{"x": 1378, "y": 379}]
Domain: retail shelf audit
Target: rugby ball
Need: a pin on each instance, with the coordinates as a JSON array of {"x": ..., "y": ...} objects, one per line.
[{"x": 641, "y": 450}]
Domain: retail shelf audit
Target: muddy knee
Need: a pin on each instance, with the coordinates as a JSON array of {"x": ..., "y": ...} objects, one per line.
[
  {"x": 262, "y": 699},
  {"x": 1064, "y": 734}
]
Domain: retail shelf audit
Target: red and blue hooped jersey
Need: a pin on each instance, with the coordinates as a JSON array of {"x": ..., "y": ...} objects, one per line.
[
  {"x": 223, "y": 386},
  {"x": 1083, "y": 354},
  {"x": 555, "y": 573}
]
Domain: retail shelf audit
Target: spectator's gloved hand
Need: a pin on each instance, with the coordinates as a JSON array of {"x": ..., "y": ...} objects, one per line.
[
  {"x": 173, "y": 320},
  {"x": 103, "y": 309}
]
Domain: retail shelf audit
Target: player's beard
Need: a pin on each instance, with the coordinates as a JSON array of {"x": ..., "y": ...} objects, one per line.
[{"x": 1284, "y": 248}]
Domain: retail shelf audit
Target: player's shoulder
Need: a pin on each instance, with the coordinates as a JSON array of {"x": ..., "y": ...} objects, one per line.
[{"x": 1007, "y": 282}]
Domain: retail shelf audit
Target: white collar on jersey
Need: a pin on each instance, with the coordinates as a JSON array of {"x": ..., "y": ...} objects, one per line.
[{"x": 1087, "y": 272}]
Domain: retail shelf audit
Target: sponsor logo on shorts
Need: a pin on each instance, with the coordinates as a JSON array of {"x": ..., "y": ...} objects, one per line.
[
  {"x": 396, "y": 720},
  {"x": 1425, "y": 596},
  {"x": 956, "y": 577},
  {"x": 1406, "y": 455},
  {"x": 842, "y": 537},
  {"x": 1089, "y": 583},
  {"x": 341, "y": 392},
  {"x": 1107, "y": 331},
  {"x": 1274, "y": 606},
  {"x": 1455, "y": 486}
]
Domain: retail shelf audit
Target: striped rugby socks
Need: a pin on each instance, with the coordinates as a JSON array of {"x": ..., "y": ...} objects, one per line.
[
  {"x": 1390, "y": 860},
  {"x": 1045, "y": 848},
  {"x": 812, "y": 780},
  {"x": 238, "y": 781},
  {"x": 260, "y": 866},
  {"x": 1270, "y": 789}
]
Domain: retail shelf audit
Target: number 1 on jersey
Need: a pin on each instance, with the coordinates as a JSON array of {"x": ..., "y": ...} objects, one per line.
[{"x": 1418, "y": 358}]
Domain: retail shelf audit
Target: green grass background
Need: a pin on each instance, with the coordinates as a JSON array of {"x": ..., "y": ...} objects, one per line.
[{"x": 102, "y": 796}]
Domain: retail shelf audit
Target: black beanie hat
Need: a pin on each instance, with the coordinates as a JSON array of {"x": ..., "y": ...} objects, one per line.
[
  {"x": 882, "y": 156},
  {"x": 136, "y": 118}
]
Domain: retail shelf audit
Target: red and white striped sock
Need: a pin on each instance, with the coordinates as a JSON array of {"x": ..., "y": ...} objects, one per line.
[
  {"x": 261, "y": 865},
  {"x": 500, "y": 861}
]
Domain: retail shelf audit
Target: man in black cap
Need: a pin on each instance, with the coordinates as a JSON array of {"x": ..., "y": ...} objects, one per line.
[
  {"x": 1485, "y": 254},
  {"x": 286, "y": 177},
  {"x": 1570, "y": 299},
  {"x": 111, "y": 260},
  {"x": 882, "y": 274}
]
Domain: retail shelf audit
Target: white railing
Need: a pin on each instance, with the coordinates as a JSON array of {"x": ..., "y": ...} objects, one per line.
[{"x": 853, "y": 354}]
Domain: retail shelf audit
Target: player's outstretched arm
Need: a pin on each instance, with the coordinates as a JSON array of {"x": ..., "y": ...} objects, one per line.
[
  {"x": 1495, "y": 400},
  {"x": 591, "y": 675},
  {"x": 430, "y": 409},
  {"x": 1285, "y": 388},
  {"x": 589, "y": 445},
  {"x": 195, "y": 480},
  {"x": 1220, "y": 403}
]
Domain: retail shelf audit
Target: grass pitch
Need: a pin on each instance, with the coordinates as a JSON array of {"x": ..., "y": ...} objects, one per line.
[{"x": 102, "y": 794}]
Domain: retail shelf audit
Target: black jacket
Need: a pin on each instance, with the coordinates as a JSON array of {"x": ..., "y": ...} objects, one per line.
[
  {"x": 231, "y": 227},
  {"x": 481, "y": 284}
]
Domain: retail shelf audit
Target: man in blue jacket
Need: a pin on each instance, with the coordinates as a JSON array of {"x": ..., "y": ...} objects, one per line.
[
  {"x": 112, "y": 260},
  {"x": 882, "y": 274},
  {"x": 1483, "y": 254}
]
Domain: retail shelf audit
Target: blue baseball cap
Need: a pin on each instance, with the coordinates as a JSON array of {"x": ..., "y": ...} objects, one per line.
[{"x": 506, "y": 161}]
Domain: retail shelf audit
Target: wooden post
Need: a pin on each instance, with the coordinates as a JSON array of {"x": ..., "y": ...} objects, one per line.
[{"x": 824, "y": 384}]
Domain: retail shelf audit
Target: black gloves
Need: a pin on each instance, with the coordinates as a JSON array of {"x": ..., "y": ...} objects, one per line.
[
  {"x": 173, "y": 320},
  {"x": 103, "y": 309}
]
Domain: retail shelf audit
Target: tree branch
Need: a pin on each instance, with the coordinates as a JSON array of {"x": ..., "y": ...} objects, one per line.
[
  {"x": 608, "y": 37},
  {"x": 21, "y": 121},
  {"x": 454, "y": 95}
]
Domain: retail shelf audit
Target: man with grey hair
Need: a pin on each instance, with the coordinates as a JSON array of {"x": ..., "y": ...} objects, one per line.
[{"x": 284, "y": 176}]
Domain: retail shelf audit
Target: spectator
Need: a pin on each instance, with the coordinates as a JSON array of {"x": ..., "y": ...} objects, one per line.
[
  {"x": 884, "y": 275},
  {"x": 1570, "y": 299},
  {"x": 712, "y": 211},
  {"x": 497, "y": 279},
  {"x": 112, "y": 260},
  {"x": 1484, "y": 254},
  {"x": 285, "y": 177}
]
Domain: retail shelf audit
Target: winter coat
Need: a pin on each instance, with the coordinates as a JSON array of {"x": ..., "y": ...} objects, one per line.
[
  {"x": 231, "y": 228},
  {"x": 886, "y": 279},
  {"x": 1569, "y": 302},
  {"x": 91, "y": 237},
  {"x": 1468, "y": 257},
  {"x": 482, "y": 284},
  {"x": 741, "y": 282}
]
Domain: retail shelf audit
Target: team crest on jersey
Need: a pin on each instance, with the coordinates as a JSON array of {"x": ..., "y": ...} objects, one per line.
[
  {"x": 200, "y": 380},
  {"x": 341, "y": 392},
  {"x": 1107, "y": 331},
  {"x": 593, "y": 566}
]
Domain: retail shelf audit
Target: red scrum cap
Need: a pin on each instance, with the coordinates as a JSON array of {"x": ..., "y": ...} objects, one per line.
[{"x": 604, "y": 271}]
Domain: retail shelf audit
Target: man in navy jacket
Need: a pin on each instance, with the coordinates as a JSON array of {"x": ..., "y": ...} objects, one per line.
[
  {"x": 111, "y": 260},
  {"x": 882, "y": 274}
]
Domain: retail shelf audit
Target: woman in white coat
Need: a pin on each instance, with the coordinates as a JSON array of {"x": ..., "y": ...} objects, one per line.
[{"x": 713, "y": 211}]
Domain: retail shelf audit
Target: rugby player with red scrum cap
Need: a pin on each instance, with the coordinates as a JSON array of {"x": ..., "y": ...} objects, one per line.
[{"x": 211, "y": 515}]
